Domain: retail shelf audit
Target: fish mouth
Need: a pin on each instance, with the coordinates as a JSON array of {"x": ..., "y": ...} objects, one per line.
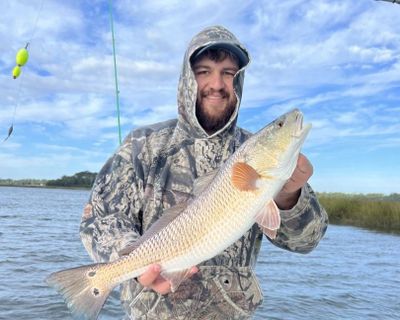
[{"x": 301, "y": 129}]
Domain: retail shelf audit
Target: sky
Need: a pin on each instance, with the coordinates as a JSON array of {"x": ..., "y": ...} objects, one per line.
[{"x": 338, "y": 61}]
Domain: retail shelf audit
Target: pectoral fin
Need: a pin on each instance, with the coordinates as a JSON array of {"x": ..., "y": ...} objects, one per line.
[
  {"x": 244, "y": 177},
  {"x": 176, "y": 277},
  {"x": 269, "y": 217}
]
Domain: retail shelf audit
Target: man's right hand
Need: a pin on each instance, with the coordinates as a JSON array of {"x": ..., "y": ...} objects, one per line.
[{"x": 152, "y": 279}]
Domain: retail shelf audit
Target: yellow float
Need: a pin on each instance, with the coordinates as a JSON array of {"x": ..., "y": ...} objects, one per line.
[
  {"x": 22, "y": 57},
  {"x": 16, "y": 72}
]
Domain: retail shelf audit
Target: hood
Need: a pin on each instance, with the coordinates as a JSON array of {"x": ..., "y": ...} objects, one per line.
[{"x": 187, "y": 89}]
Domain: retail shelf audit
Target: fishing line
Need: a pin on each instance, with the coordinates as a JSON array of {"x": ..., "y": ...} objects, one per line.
[{"x": 19, "y": 88}]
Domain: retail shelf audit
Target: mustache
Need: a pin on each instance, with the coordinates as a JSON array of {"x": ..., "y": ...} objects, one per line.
[{"x": 222, "y": 92}]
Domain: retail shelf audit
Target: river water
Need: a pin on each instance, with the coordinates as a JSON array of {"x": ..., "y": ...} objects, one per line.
[{"x": 352, "y": 274}]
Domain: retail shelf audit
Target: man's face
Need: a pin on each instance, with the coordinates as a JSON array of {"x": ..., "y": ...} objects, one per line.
[{"x": 216, "y": 100}]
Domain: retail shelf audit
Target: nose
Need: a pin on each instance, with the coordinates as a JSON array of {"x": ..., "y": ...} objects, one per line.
[{"x": 217, "y": 81}]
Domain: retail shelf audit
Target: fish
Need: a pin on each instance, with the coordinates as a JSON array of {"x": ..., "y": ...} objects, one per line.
[{"x": 225, "y": 205}]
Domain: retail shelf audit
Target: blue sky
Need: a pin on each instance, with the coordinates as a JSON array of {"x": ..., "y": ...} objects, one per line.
[{"x": 336, "y": 60}]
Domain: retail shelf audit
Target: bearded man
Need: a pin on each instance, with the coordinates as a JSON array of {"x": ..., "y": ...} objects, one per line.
[{"x": 155, "y": 168}]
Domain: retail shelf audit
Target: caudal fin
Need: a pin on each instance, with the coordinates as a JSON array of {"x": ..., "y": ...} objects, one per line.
[{"x": 83, "y": 290}]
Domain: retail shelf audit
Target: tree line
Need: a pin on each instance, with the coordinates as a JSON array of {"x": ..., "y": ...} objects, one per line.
[{"x": 84, "y": 179}]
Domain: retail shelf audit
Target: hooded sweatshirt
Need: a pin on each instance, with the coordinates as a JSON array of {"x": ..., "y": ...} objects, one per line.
[{"x": 154, "y": 169}]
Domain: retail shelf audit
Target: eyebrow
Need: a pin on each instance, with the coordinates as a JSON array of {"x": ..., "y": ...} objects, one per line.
[{"x": 201, "y": 66}]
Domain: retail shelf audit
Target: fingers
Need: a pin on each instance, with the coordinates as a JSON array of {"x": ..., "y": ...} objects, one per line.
[
  {"x": 304, "y": 166},
  {"x": 300, "y": 176},
  {"x": 161, "y": 285},
  {"x": 150, "y": 275},
  {"x": 152, "y": 279},
  {"x": 290, "y": 192},
  {"x": 192, "y": 271}
]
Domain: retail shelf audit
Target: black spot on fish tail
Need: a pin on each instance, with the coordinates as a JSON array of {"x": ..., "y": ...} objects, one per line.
[{"x": 83, "y": 289}]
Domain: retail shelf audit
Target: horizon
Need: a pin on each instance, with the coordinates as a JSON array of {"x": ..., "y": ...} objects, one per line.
[{"x": 337, "y": 61}]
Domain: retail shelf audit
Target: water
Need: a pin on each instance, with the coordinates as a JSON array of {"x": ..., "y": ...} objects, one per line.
[{"x": 353, "y": 274}]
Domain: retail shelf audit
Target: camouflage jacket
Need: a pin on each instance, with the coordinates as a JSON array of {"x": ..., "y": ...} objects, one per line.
[{"x": 154, "y": 169}]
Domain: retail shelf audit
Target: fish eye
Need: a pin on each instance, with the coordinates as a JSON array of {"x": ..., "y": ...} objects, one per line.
[{"x": 280, "y": 124}]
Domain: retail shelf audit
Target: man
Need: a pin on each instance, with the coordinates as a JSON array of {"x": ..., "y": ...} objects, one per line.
[{"x": 155, "y": 168}]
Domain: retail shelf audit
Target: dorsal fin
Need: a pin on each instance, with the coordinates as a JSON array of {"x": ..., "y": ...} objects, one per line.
[
  {"x": 201, "y": 183},
  {"x": 167, "y": 217}
]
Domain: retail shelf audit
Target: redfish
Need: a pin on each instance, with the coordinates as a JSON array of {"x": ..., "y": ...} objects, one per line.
[{"x": 226, "y": 204}]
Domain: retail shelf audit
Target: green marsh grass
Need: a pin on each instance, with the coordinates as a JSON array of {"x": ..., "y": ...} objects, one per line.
[{"x": 372, "y": 211}]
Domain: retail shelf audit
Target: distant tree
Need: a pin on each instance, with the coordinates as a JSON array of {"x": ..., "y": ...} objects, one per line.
[
  {"x": 82, "y": 179},
  {"x": 23, "y": 182},
  {"x": 394, "y": 197}
]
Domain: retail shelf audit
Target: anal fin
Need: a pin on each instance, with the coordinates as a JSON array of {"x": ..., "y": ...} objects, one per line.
[{"x": 176, "y": 277}]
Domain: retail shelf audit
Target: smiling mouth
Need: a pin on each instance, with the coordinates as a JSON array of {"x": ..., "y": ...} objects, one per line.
[
  {"x": 215, "y": 94},
  {"x": 211, "y": 97}
]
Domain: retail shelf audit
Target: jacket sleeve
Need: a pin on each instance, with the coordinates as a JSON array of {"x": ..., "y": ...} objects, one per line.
[
  {"x": 112, "y": 218},
  {"x": 304, "y": 225}
]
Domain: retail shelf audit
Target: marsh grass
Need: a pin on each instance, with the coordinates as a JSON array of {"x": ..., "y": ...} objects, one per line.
[{"x": 372, "y": 211}]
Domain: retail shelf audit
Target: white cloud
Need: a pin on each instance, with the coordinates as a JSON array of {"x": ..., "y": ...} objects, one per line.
[{"x": 338, "y": 61}]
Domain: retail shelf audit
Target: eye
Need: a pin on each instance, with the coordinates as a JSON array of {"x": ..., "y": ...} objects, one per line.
[
  {"x": 229, "y": 73},
  {"x": 280, "y": 124},
  {"x": 202, "y": 72}
]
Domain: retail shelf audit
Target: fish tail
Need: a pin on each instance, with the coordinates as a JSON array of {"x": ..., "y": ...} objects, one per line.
[{"x": 83, "y": 288}]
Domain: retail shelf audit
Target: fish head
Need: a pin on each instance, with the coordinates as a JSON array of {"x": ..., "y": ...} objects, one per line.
[{"x": 274, "y": 150}]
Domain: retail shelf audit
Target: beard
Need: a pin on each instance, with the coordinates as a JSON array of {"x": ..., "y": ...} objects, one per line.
[{"x": 211, "y": 123}]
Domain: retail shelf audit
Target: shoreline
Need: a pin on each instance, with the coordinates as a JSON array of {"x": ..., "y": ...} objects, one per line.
[
  {"x": 45, "y": 187},
  {"x": 376, "y": 212}
]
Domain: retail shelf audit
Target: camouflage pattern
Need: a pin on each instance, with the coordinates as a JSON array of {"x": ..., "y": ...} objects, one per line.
[{"x": 154, "y": 169}]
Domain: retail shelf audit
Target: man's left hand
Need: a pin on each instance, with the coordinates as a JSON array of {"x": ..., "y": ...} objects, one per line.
[{"x": 290, "y": 192}]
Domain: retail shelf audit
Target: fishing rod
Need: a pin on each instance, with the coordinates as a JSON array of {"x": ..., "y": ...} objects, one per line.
[
  {"x": 115, "y": 73},
  {"x": 392, "y": 1}
]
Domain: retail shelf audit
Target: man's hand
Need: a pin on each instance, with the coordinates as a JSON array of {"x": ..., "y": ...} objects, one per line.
[
  {"x": 152, "y": 279},
  {"x": 290, "y": 192}
]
